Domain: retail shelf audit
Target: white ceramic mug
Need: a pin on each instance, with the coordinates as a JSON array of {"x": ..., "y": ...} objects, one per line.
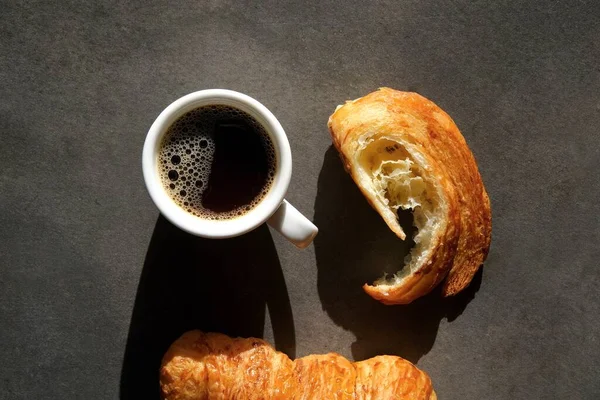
[{"x": 273, "y": 208}]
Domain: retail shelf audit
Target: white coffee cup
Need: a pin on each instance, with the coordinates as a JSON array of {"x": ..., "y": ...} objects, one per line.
[{"x": 273, "y": 208}]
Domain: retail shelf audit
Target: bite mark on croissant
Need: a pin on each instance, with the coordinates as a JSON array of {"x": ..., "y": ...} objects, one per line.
[
  {"x": 206, "y": 366},
  {"x": 404, "y": 152},
  {"x": 399, "y": 180}
]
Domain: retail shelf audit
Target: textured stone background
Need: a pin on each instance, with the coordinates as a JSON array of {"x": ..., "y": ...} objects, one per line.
[{"x": 94, "y": 285}]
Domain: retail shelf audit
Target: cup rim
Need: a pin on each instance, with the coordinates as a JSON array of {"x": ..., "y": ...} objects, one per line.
[{"x": 217, "y": 228}]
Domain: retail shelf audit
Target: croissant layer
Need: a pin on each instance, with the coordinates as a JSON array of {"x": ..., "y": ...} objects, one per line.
[{"x": 207, "y": 366}]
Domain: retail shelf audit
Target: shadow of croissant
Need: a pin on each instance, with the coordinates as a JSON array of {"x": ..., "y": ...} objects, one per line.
[
  {"x": 189, "y": 283},
  {"x": 355, "y": 246}
]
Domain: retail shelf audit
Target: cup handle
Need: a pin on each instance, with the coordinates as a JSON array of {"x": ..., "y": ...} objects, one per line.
[{"x": 294, "y": 226}]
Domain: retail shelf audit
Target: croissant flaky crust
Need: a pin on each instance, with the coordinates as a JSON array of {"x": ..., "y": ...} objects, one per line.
[
  {"x": 206, "y": 366},
  {"x": 405, "y": 152}
]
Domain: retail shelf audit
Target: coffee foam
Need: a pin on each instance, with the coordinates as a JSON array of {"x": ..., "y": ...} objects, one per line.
[{"x": 187, "y": 152}]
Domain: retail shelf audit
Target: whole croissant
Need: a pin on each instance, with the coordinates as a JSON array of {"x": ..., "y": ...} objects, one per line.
[
  {"x": 206, "y": 366},
  {"x": 404, "y": 152}
]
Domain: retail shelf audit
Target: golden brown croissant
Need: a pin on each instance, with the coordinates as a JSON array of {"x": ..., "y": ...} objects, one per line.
[
  {"x": 207, "y": 366},
  {"x": 404, "y": 152}
]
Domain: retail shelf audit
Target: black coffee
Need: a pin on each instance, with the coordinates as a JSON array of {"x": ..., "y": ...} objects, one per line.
[{"x": 217, "y": 162}]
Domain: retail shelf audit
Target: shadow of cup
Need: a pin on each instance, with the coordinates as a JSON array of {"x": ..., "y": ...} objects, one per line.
[{"x": 188, "y": 283}]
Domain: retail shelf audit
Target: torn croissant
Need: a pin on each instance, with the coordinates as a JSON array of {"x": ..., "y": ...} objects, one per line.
[
  {"x": 206, "y": 366},
  {"x": 404, "y": 152}
]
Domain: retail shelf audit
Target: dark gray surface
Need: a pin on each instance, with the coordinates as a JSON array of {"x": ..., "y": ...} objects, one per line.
[{"x": 94, "y": 285}]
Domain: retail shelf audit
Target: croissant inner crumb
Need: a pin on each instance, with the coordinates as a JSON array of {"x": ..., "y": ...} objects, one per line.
[{"x": 398, "y": 182}]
